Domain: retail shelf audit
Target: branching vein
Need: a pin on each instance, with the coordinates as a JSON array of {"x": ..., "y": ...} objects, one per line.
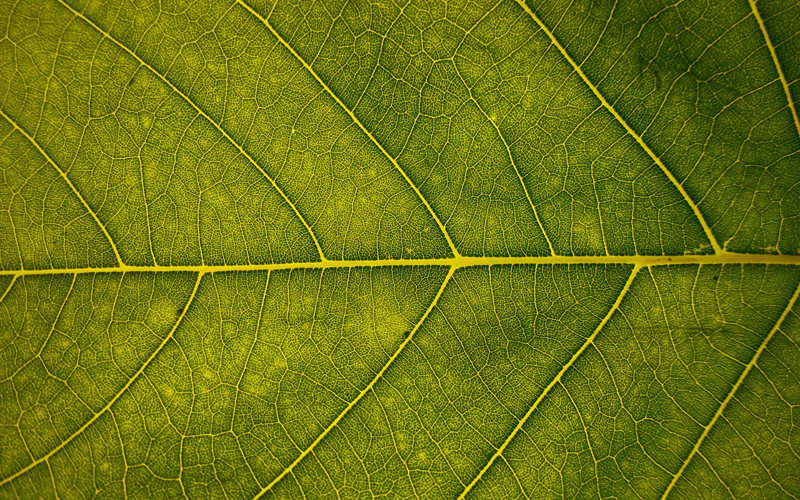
[
  {"x": 207, "y": 117},
  {"x": 357, "y": 122},
  {"x": 732, "y": 393},
  {"x": 69, "y": 183},
  {"x": 774, "y": 54},
  {"x": 698, "y": 214},
  {"x": 553, "y": 382},
  {"x": 116, "y": 397},
  {"x": 368, "y": 388}
]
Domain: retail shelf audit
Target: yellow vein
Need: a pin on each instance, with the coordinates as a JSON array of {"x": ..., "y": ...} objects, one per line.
[
  {"x": 52, "y": 329},
  {"x": 555, "y": 381},
  {"x": 640, "y": 260},
  {"x": 10, "y": 286},
  {"x": 116, "y": 396},
  {"x": 706, "y": 228},
  {"x": 493, "y": 121},
  {"x": 522, "y": 182},
  {"x": 356, "y": 121},
  {"x": 366, "y": 389},
  {"x": 513, "y": 164},
  {"x": 204, "y": 115},
  {"x": 771, "y": 47},
  {"x": 69, "y": 183},
  {"x": 732, "y": 393}
]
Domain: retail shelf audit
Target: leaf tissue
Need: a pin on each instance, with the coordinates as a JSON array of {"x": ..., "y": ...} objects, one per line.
[{"x": 376, "y": 248}]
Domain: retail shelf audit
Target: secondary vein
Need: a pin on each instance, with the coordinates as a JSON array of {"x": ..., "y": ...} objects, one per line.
[
  {"x": 553, "y": 382},
  {"x": 368, "y": 388},
  {"x": 355, "y": 119},
  {"x": 732, "y": 393},
  {"x": 116, "y": 396},
  {"x": 207, "y": 117},
  {"x": 700, "y": 218},
  {"x": 69, "y": 183},
  {"x": 774, "y": 54},
  {"x": 8, "y": 289}
]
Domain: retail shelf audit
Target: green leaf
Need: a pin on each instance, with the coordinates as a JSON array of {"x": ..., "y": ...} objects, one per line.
[{"x": 321, "y": 248}]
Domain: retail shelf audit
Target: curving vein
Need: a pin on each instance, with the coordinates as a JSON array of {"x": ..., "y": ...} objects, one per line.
[
  {"x": 366, "y": 389},
  {"x": 8, "y": 288},
  {"x": 732, "y": 392},
  {"x": 69, "y": 183},
  {"x": 356, "y": 121},
  {"x": 39, "y": 352},
  {"x": 576, "y": 67},
  {"x": 781, "y": 75},
  {"x": 553, "y": 382},
  {"x": 204, "y": 115},
  {"x": 116, "y": 397},
  {"x": 511, "y": 159}
]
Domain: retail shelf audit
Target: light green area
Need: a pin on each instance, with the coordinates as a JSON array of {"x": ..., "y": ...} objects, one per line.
[{"x": 340, "y": 249}]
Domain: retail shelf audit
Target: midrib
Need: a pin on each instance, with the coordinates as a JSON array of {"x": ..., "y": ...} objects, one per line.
[{"x": 457, "y": 262}]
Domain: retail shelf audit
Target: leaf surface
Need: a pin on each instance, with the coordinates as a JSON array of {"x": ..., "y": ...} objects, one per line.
[{"x": 311, "y": 249}]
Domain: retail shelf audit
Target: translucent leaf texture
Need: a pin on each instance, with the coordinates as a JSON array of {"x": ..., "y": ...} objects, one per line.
[{"x": 312, "y": 249}]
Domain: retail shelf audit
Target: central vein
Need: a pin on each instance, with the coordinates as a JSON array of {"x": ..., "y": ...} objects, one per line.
[{"x": 456, "y": 262}]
